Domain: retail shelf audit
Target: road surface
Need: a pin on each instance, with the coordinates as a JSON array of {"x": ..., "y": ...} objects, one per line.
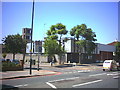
[{"x": 70, "y": 78}]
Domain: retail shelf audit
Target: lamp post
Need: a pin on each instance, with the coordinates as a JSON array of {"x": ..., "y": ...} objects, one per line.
[
  {"x": 38, "y": 60},
  {"x": 31, "y": 38}
]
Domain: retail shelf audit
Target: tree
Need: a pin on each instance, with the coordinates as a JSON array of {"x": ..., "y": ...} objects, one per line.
[
  {"x": 55, "y": 33},
  {"x": 4, "y": 55},
  {"x": 117, "y": 53},
  {"x": 14, "y": 44},
  {"x": 52, "y": 47},
  {"x": 85, "y": 38}
]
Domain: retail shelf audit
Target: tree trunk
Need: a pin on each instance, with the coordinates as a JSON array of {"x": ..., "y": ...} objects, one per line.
[
  {"x": 77, "y": 45},
  {"x": 74, "y": 44},
  {"x": 79, "y": 57},
  {"x": 23, "y": 57},
  {"x": 13, "y": 56},
  {"x": 24, "y": 52},
  {"x": 60, "y": 59},
  {"x": 60, "y": 39},
  {"x": 55, "y": 59}
]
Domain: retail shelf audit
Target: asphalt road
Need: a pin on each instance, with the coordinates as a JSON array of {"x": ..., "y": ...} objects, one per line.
[{"x": 70, "y": 78}]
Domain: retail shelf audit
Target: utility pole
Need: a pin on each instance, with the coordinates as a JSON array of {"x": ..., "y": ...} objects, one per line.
[
  {"x": 38, "y": 60},
  {"x": 31, "y": 38}
]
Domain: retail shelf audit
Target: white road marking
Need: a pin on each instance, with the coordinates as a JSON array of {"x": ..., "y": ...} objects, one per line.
[
  {"x": 21, "y": 85},
  {"x": 71, "y": 78},
  {"x": 115, "y": 72},
  {"x": 80, "y": 71},
  {"x": 77, "y": 71},
  {"x": 51, "y": 85},
  {"x": 63, "y": 79},
  {"x": 25, "y": 85},
  {"x": 56, "y": 80},
  {"x": 97, "y": 74},
  {"x": 116, "y": 77},
  {"x": 18, "y": 85},
  {"x": 86, "y": 83},
  {"x": 112, "y": 74}
]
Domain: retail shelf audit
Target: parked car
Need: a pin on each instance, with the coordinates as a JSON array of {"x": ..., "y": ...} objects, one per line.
[
  {"x": 2, "y": 60},
  {"x": 110, "y": 65},
  {"x": 8, "y": 60}
]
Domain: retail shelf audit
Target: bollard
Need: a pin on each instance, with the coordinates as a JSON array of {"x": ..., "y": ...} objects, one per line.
[
  {"x": 22, "y": 63},
  {"x": 69, "y": 62},
  {"x": 50, "y": 63},
  {"x": 74, "y": 64}
]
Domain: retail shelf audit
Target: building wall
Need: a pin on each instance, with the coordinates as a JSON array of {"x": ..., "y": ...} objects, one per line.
[
  {"x": 104, "y": 55},
  {"x": 68, "y": 45},
  {"x": 26, "y": 34},
  {"x": 102, "y": 52},
  {"x": 38, "y": 46},
  {"x": 43, "y": 58},
  {"x": 106, "y": 48}
]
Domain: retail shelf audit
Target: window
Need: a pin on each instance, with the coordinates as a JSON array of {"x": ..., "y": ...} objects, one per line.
[
  {"x": 28, "y": 31},
  {"x": 27, "y": 37},
  {"x": 24, "y": 30}
]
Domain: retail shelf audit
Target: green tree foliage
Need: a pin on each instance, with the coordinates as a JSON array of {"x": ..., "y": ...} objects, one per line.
[
  {"x": 85, "y": 37},
  {"x": 57, "y": 31},
  {"x": 52, "y": 47},
  {"x": 4, "y": 55},
  {"x": 54, "y": 35},
  {"x": 117, "y": 53},
  {"x": 14, "y": 44}
]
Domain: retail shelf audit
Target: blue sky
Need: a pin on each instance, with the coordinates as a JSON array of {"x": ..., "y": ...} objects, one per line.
[{"x": 102, "y": 17}]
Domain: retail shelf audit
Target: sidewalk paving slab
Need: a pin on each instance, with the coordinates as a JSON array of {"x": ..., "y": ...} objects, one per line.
[{"x": 25, "y": 74}]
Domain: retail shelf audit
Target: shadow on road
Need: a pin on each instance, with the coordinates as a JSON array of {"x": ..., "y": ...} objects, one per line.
[
  {"x": 99, "y": 65},
  {"x": 64, "y": 66},
  {"x": 8, "y": 87},
  {"x": 34, "y": 68},
  {"x": 82, "y": 65}
]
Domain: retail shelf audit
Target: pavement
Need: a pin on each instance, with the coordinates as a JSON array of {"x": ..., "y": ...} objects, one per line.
[{"x": 35, "y": 72}]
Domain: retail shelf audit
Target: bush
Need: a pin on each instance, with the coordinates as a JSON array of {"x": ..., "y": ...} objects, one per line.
[{"x": 8, "y": 64}]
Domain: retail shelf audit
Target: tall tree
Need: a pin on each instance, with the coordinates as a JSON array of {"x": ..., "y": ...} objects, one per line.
[
  {"x": 55, "y": 33},
  {"x": 14, "y": 44},
  {"x": 52, "y": 47},
  {"x": 85, "y": 38},
  {"x": 72, "y": 33}
]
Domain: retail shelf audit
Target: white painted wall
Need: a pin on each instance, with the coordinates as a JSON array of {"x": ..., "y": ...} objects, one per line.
[{"x": 68, "y": 46}]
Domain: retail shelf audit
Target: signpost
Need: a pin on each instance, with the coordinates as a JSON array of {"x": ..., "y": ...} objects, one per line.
[{"x": 31, "y": 39}]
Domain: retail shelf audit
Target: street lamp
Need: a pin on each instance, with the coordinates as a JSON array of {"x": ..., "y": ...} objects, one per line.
[{"x": 31, "y": 38}]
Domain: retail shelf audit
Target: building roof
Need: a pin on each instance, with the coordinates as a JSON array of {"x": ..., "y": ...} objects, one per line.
[{"x": 112, "y": 43}]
